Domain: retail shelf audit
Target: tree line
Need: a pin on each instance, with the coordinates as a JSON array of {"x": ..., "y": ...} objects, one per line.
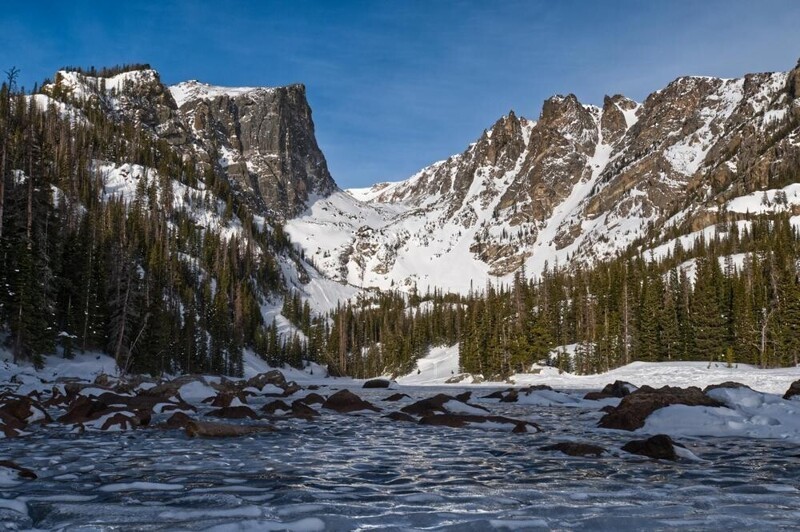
[
  {"x": 133, "y": 277},
  {"x": 734, "y": 299}
]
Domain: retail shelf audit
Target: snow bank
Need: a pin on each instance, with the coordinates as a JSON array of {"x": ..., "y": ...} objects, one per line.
[
  {"x": 442, "y": 363},
  {"x": 747, "y": 414}
]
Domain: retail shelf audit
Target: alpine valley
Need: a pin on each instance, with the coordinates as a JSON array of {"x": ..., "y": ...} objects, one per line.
[
  {"x": 200, "y": 330},
  {"x": 180, "y": 229}
]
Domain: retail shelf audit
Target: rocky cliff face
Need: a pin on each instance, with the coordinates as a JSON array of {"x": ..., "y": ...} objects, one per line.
[
  {"x": 261, "y": 138},
  {"x": 580, "y": 184}
]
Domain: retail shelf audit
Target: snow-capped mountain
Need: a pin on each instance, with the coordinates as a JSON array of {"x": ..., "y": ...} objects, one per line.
[
  {"x": 580, "y": 184},
  {"x": 261, "y": 138}
]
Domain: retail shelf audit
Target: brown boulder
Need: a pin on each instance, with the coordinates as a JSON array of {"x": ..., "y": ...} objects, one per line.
[
  {"x": 10, "y": 426},
  {"x": 616, "y": 389},
  {"x": 575, "y": 449},
  {"x": 24, "y": 409},
  {"x": 793, "y": 390},
  {"x": 223, "y": 399},
  {"x": 178, "y": 420},
  {"x": 434, "y": 405},
  {"x": 290, "y": 389},
  {"x": 274, "y": 406},
  {"x": 633, "y": 410},
  {"x": 274, "y": 377},
  {"x": 234, "y": 412},
  {"x": 659, "y": 446},
  {"x": 511, "y": 397},
  {"x": 303, "y": 411},
  {"x": 312, "y": 399},
  {"x": 125, "y": 421},
  {"x": 223, "y": 430},
  {"x": 22, "y": 472},
  {"x": 345, "y": 401},
  {"x": 170, "y": 388},
  {"x": 377, "y": 383}
]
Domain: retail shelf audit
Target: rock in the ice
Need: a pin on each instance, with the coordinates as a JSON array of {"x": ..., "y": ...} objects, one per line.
[
  {"x": 23, "y": 409},
  {"x": 178, "y": 420},
  {"x": 659, "y": 447},
  {"x": 22, "y": 472},
  {"x": 277, "y": 405},
  {"x": 223, "y": 430},
  {"x": 273, "y": 377},
  {"x": 345, "y": 401},
  {"x": 303, "y": 411},
  {"x": 793, "y": 390},
  {"x": 377, "y": 383},
  {"x": 575, "y": 449},
  {"x": 633, "y": 410},
  {"x": 312, "y": 399},
  {"x": 442, "y": 404},
  {"x": 223, "y": 399},
  {"x": 464, "y": 420}
]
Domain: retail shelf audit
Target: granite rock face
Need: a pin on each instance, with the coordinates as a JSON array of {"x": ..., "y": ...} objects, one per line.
[{"x": 263, "y": 138}]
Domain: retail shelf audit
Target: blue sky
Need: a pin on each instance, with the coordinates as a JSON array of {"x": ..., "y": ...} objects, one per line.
[{"x": 397, "y": 85}]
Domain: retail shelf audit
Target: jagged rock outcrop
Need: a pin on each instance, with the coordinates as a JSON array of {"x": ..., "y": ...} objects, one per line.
[
  {"x": 261, "y": 138},
  {"x": 266, "y": 141}
]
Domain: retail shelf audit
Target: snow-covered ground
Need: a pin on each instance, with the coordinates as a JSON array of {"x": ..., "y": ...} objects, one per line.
[
  {"x": 442, "y": 363},
  {"x": 359, "y": 471}
]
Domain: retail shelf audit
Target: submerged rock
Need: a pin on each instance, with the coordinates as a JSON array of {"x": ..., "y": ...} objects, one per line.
[
  {"x": 345, "y": 401},
  {"x": 196, "y": 428},
  {"x": 400, "y": 416},
  {"x": 223, "y": 399},
  {"x": 22, "y": 472},
  {"x": 660, "y": 447},
  {"x": 575, "y": 449},
  {"x": 634, "y": 409},
  {"x": 397, "y": 397},
  {"x": 464, "y": 420},
  {"x": 312, "y": 399}
]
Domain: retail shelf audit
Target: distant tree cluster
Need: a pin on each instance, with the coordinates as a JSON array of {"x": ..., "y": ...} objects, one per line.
[
  {"x": 692, "y": 305},
  {"x": 107, "y": 72}
]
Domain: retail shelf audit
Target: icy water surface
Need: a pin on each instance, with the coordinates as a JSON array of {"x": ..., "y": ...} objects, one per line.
[{"x": 356, "y": 472}]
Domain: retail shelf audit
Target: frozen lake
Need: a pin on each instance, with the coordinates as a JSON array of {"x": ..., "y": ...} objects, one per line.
[{"x": 351, "y": 472}]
